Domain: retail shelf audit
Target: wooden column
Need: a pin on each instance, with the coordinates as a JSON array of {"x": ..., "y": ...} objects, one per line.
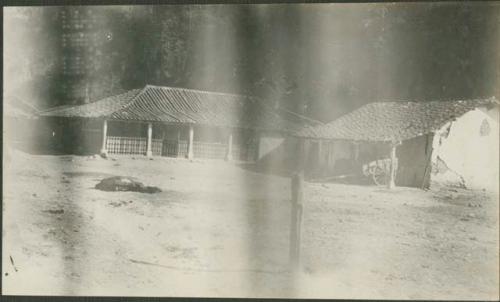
[
  {"x": 229, "y": 150},
  {"x": 297, "y": 184},
  {"x": 392, "y": 172},
  {"x": 426, "y": 179},
  {"x": 190, "y": 142},
  {"x": 297, "y": 192},
  {"x": 104, "y": 151},
  {"x": 302, "y": 155},
  {"x": 149, "y": 152},
  {"x": 320, "y": 153},
  {"x": 178, "y": 140},
  {"x": 331, "y": 154},
  {"x": 163, "y": 132},
  {"x": 356, "y": 152}
]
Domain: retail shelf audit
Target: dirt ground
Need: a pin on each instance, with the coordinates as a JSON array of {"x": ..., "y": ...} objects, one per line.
[{"x": 220, "y": 229}]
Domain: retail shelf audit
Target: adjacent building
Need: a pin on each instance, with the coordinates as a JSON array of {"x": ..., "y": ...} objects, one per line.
[{"x": 425, "y": 143}]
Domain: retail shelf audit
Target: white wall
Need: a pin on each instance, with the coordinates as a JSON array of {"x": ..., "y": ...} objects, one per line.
[
  {"x": 268, "y": 144},
  {"x": 469, "y": 155}
]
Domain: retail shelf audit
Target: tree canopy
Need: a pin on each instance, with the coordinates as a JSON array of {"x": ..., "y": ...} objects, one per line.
[{"x": 321, "y": 60}]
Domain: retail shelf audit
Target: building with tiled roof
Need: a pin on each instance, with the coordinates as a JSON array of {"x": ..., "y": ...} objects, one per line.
[
  {"x": 452, "y": 142},
  {"x": 181, "y": 106},
  {"x": 172, "y": 121},
  {"x": 394, "y": 121}
]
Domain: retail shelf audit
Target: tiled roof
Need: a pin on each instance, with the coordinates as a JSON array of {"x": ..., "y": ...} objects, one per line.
[
  {"x": 101, "y": 108},
  {"x": 15, "y": 107},
  {"x": 393, "y": 121},
  {"x": 179, "y": 105}
]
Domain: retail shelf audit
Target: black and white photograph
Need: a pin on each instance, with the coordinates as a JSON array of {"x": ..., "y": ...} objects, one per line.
[{"x": 271, "y": 150}]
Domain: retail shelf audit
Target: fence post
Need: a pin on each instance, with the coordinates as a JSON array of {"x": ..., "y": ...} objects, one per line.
[{"x": 297, "y": 185}]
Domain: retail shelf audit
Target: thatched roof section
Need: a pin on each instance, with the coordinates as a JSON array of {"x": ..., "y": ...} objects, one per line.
[
  {"x": 180, "y": 106},
  {"x": 394, "y": 121}
]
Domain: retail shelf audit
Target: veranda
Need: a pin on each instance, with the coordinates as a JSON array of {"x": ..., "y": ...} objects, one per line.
[{"x": 108, "y": 136}]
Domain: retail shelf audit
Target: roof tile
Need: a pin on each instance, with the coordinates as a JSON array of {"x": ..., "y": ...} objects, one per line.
[
  {"x": 388, "y": 121},
  {"x": 179, "y": 105}
]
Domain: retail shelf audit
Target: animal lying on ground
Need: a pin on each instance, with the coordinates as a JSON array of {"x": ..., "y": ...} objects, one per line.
[{"x": 123, "y": 183}]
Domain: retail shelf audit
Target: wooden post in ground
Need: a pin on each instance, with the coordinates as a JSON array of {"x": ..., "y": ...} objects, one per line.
[
  {"x": 149, "y": 152},
  {"x": 104, "y": 151},
  {"x": 392, "y": 172},
  {"x": 190, "y": 154},
  {"x": 297, "y": 192},
  {"x": 229, "y": 149},
  {"x": 296, "y": 219}
]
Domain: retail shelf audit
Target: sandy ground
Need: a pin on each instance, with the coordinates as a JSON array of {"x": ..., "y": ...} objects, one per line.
[{"x": 219, "y": 229}]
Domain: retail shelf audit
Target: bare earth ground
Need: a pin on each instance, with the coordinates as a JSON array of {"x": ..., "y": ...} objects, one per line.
[{"x": 218, "y": 229}]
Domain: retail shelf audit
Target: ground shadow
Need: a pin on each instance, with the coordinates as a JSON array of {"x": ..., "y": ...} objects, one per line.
[
  {"x": 263, "y": 168},
  {"x": 49, "y": 149},
  {"x": 309, "y": 175}
]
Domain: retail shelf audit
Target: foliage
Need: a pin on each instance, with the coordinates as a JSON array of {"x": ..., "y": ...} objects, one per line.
[{"x": 320, "y": 60}]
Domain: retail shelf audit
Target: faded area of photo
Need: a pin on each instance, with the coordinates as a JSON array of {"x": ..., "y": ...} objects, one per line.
[{"x": 345, "y": 151}]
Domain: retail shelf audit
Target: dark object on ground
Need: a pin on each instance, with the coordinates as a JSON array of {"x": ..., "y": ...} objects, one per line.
[
  {"x": 121, "y": 183},
  {"x": 104, "y": 155},
  {"x": 55, "y": 211}
]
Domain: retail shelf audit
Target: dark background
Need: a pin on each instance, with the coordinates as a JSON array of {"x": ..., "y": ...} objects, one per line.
[{"x": 321, "y": 60}]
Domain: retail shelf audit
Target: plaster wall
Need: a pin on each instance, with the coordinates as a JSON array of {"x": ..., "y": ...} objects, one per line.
[{"x": 465, "y": 151}]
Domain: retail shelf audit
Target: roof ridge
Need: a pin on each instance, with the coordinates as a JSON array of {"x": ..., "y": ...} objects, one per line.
[
  {"x": 491, "y": 98},
  {"x": 300, "y": 116},
  {"x": 57, "y": 108},
  {"x": 198, "y": 90},
  {"x": 381, "y": 121},
  {"x": 140, "y": 91}
]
